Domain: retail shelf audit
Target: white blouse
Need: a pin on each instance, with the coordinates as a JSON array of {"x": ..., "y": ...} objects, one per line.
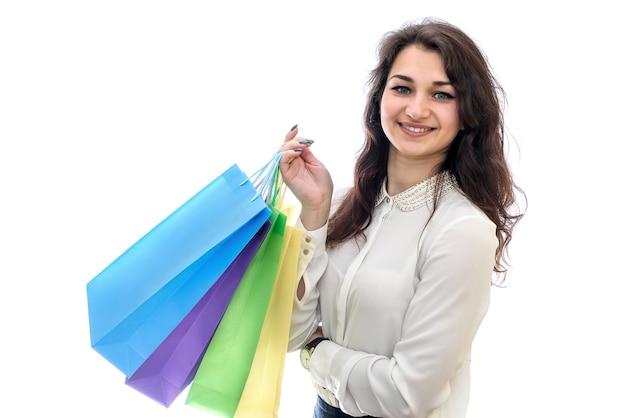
[{"x": 402, "y": 308}]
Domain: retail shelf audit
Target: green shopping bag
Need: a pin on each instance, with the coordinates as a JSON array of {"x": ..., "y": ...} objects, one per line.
[{"x": 221, "y": 377}]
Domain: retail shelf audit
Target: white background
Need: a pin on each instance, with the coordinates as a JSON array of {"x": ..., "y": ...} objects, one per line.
[{"x": 113, "y": 113}]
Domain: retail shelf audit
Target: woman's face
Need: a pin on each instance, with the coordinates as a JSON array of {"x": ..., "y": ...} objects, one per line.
[{"x": 418, "y": 109}]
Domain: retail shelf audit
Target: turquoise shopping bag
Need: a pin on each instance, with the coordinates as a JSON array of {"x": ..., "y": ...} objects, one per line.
[{"x": 138, "y": 300}]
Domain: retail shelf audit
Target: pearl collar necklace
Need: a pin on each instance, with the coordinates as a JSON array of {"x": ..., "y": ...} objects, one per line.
[{"x": 420, "y": 194}]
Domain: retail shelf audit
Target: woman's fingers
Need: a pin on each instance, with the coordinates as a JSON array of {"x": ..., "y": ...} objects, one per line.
[
  {"x": 292, "y": 133},
  {"x": 291, "y": 155},
  {"x": 293, "y": 145}
]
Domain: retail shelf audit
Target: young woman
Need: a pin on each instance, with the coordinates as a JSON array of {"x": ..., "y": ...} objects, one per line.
[{"x": 396, "y": 271}]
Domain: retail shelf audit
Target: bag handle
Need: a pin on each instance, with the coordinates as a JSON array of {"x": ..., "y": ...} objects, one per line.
[{"x": 268, "y": 181}]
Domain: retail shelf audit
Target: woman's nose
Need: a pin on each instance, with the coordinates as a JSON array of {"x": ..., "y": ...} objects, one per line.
[{"x": 417, "y": 108}]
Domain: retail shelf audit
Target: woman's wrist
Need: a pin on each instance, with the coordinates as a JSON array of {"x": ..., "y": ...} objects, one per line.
[
  {"x": 317, "y": 334},
  {"x": 313, "y": 218}
]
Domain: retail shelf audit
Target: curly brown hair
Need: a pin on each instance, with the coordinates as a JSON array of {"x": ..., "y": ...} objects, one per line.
[{"x": 476, "y": 157}]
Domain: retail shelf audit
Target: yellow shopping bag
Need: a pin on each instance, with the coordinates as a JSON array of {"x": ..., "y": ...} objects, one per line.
[{"x": 261, "y": 395}]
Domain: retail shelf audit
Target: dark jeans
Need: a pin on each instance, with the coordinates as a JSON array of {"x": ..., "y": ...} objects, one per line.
[{"x": 323, "y": 410}]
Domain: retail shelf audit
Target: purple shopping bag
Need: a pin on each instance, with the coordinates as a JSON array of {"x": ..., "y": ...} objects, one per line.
[{"x": 172, "y": 366}]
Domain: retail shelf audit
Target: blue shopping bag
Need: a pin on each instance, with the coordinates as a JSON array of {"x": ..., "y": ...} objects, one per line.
[{"x": 138, "y": 300}]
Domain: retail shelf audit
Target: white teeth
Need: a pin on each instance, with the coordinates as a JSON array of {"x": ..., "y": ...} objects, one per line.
[{"x": 417, "y": 130}]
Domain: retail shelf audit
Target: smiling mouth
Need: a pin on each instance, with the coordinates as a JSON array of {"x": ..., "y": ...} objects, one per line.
[{"x": 416, "y": 130}]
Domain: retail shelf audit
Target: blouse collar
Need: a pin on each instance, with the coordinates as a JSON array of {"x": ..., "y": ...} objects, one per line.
[{"x": 420, "y": 194}]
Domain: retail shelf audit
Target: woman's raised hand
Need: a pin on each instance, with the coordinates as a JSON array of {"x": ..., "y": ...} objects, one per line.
[{"x": 307, "y": 178}]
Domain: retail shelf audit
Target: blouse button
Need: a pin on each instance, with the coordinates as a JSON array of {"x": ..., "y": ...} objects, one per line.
[
  {"x": 307, "y": 239},
  {"x": 388, "y": 200},
  {"x": 305, "y": 251}
]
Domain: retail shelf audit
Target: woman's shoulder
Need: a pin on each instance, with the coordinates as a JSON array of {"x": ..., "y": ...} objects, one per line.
[
  {"x": 459, "y": 221},
  {"x": 456, "y": 205},
  {"x": 340, "y": 193},
  {"x": 339, "y": 196}
]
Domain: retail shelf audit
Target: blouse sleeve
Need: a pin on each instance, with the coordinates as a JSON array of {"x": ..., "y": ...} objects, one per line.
[
  {"x": 443, "y": 317},
  {"x": 311, "y": 265}
]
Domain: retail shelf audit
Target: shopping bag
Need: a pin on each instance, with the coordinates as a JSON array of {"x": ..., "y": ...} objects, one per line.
[
  {"x": 224, "y": 368},
  {"x": 171, "y": 367},
  {"x": 138, "y": 300},
  {"x": 224, "y": 381},
  {"x": 261, "y": 394}
]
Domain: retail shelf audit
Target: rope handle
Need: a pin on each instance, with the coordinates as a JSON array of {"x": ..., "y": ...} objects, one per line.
[{"x": 268, "y": 181}]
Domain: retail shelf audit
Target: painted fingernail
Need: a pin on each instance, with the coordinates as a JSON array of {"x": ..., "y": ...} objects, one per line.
[
  {"x": 297, "y": 149},
  {"x": 307, "y": 141},
  {"x": 293, "y": 127}
]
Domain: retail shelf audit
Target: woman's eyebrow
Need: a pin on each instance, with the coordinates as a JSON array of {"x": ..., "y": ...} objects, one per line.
[
  {"x": 410, "y": 80},
  {"x": 402, "y": 77}
]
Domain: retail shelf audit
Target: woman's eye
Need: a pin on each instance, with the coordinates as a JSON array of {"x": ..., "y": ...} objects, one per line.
[
  {"x": 402, "y": 89},
  {"x": 443, "y": 95}
]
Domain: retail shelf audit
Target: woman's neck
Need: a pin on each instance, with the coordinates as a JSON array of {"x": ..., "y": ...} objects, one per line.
[{"x": 402, "y": 175}]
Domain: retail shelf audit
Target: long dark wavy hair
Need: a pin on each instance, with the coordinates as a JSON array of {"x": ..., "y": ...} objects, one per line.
[{"x": 476, "y": 157}]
